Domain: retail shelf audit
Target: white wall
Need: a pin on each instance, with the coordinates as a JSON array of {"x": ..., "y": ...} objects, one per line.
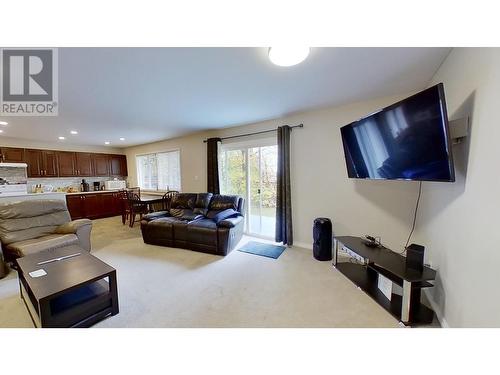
[
  {"x": 320, "y": 186},
  {"x": 458, "y": 222}
]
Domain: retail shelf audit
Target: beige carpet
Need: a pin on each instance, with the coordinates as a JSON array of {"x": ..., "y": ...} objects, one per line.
[{"x": 165, "y": 287}]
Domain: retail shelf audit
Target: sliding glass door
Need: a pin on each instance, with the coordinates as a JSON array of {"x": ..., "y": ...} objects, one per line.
[{"x": 249, "y": 169}]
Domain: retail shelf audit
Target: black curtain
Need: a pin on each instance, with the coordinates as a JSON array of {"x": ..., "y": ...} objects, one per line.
[
  {"x": 213, "y": 165},
  {"x": 284, "y": 231}
]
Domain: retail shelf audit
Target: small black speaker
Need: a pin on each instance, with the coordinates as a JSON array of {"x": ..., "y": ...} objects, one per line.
[
  {"x": 322, "y": 237},
  {"x": 415, "y": 257}
]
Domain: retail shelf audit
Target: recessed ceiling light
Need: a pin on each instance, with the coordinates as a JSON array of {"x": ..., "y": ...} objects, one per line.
[
  {"x": 62, "y": 138},
  {"x": 73, "y": 132},
  {"x": 107, "y": 143},
  {"x": 288, "y": 56},
  {"x": 122, "y": 139},
  {"x": 1, "y": 131},
  {"x": 4, "y": 123}
]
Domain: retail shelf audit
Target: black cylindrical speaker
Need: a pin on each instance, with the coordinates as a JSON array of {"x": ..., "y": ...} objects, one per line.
[{"x": 322, "y": 237}]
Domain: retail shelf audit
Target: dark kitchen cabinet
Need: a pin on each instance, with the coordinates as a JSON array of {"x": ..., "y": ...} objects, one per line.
[
  {"x": 84, "y": 164},
  {"x": 34, "y": 160},
  {"x": 94, "y": 205},
  {"x": 41, "y": 163},
  {"x": 75, "y": 206},
  {"x": 12, "y": 155},
  {"x": 101, "y": 164},
  {"x": 118, "y": 165},
  {"x": 67, "y": 163},
  {"x": 50, "y": 163}
]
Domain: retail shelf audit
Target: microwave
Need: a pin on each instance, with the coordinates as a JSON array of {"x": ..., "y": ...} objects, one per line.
[{"x": 115, "y": 185}]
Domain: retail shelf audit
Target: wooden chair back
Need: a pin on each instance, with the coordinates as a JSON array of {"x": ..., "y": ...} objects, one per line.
[{"x": 167, "y": 199}]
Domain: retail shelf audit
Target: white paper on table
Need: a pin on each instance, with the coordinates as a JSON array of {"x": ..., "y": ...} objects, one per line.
[{"x": 38, "y": 273}]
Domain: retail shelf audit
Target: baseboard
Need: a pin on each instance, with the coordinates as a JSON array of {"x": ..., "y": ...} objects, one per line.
[
  {"x": 303, "y": 245},
  {"x": 437, "y": 310}
]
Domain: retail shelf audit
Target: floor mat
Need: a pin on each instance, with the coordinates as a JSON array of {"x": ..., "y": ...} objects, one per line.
[{"x": 262, "y": 249}]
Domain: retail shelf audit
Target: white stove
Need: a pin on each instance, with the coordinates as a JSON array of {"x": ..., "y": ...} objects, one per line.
[{"x": 13, "y": 179}]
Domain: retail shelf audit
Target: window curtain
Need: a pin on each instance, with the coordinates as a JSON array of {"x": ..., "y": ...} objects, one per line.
[
  {"x": 213, "y": 165},
  {"x": 284, "y": 231}
]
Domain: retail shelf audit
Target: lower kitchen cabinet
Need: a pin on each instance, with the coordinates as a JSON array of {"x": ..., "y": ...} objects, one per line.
[{"x": 94, "y": 205}]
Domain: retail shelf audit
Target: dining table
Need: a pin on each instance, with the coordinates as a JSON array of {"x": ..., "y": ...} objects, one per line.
[{"x": 150, "y": 200}]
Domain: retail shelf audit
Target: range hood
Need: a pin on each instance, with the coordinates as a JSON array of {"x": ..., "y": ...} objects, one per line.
[{"x": 14, "y": 165}]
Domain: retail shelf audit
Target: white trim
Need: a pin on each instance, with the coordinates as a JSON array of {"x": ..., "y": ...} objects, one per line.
[
  {"x": 437, "y": 310},
  {"x": 303, "y": 245}
]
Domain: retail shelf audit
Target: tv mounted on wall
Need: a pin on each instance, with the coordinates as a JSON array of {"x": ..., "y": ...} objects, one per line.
[{"x": 409, "y": 140}]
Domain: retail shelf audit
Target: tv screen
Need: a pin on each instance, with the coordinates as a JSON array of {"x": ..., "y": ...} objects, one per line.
[{"x": 408, "y": 140}]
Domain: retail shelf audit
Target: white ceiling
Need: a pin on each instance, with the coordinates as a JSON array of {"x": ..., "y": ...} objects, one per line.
[{"x": 149, "y": 94}]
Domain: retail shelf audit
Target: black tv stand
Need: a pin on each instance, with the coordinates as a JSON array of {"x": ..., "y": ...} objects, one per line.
[{"x": 380, "y": 260}]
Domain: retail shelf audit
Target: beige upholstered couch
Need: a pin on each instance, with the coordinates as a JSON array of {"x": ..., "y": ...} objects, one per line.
[{"x": 27, "y": 227}]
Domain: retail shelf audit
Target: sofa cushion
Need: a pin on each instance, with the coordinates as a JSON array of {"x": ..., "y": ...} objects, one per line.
[
  {"x": 32, "y": 246},
  {"x": 155, "y": 215},
  {"x": 202, "y": 231},
  {"x": 226, "y": 214},
  {"x": 220, "y": 203},
  {"x": 184, "y": 200},
  {"x": 202, "y": 202}
]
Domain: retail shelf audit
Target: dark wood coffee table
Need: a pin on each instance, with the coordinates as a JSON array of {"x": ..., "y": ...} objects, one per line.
[{"x": 77, "y": 291}]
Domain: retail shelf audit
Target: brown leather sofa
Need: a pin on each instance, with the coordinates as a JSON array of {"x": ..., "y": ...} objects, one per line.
[
  {"x": 30, "y": 226},
  {"x": 197, "y": 221}
]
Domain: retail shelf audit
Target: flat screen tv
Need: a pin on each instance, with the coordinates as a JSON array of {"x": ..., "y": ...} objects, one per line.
[{"x": 409, "y": 140}]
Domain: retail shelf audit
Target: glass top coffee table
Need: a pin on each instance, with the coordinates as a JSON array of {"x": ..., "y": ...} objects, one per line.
[{"x": 67, "y": 287}]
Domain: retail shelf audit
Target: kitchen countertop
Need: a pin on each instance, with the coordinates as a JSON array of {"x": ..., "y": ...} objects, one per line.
[
  {"x": 146, "y": 193},
  {"x": 93, "y": 192}
]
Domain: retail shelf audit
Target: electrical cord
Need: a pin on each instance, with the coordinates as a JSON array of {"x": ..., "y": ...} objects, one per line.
[{"x": 414, "y": 217}]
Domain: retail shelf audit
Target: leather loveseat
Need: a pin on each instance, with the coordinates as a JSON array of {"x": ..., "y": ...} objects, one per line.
[
  {"x": 197, "y": 221},
  {"x": 27, "y": 227}
]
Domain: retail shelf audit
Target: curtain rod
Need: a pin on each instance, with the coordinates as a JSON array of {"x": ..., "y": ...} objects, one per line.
[{"x": 261, "y": 132}]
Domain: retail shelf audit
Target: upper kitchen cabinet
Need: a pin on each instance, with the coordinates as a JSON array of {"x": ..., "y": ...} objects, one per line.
[
  {"x": 50, "y": 163},
  {"x": 118, "y": 165},
  {"x": 67, "y": 164},
  {"x": 11, "y": 155},
  {"x": 101, "y": 164},
  {"x": 42, "y": 163},
  {"x": 84, "y": 166}
]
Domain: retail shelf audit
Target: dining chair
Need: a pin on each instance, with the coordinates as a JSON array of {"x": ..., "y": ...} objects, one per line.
[
  {"x": 135, "y": 190},
  {"x": 167, "y": 199},
  {"x": 124, "y": 205},
  {"x": 137, "y": 207}
]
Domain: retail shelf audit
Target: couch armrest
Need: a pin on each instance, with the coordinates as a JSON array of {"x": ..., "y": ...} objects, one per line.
[
  {"x": 231, "y": 222},
  {"x": 72, "y": 226},
  {"x": 81, "y": 228}
]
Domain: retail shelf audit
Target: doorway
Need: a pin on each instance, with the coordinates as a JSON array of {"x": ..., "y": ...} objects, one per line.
[{"x": 249, "y": 169}]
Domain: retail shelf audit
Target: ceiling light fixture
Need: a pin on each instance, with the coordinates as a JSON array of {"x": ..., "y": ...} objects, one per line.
[
  {"x": 288, "y": 56},
  {"x": 122, "y": 139},
  {"x": 1, "y": 131},
  {"x": 106, "y": 143},
  {"x": 74, "y": 132},
  {"x": 4, "y": 123},
  {"x": 62, "y": 138}
]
